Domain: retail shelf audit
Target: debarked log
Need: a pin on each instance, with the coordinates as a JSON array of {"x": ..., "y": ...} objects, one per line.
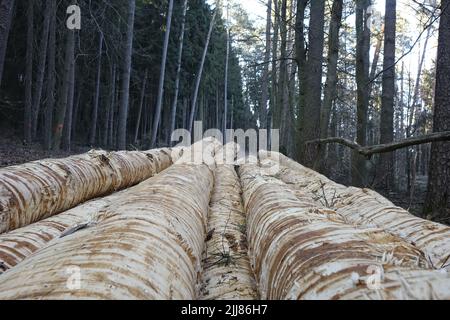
[
  {"x": 17, "y": 245},
  {"x": 147, "y": 244},
  {"x": 227, "y": 274},
  {"x": 367, "y": 208},
  {"x": 40, "y": 189},
  {"x": 299, "y": 251}
]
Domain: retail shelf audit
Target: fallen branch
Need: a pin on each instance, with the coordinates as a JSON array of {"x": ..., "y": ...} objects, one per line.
[{"x": 385, "y": 148}]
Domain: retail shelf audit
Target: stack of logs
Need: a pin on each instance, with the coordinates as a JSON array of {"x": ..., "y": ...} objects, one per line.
[{"x": 197, "y": 223}]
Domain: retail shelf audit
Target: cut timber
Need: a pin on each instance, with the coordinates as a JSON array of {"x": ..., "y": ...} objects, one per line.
[
  {"x": 40, "y": 189},
  {"x": 147, "y": 245},
  {"x": 227, "y": 274},
  {"x": 367, "y": 208},
  {"x": 299, "y": 251},
  {"x": 17, "y": 245}
]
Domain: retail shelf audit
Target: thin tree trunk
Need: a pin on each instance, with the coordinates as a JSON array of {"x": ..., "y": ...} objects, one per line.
[
  {"x": 279, "y": 107},
  {"x": 41, "y": 67},
  {"x": 415, "y": 97},
  {"x": 126, "y": 75},
  {"x": 6, "y": 13},
  {"x": 359, "y": 164},
  {"x": 28, "y": 114},
  {"x": 265, "y": 81},
  {"x": 300, "y": 52},
  {"x": 273, "y": 96},
  {"x": 112, "y": 107},
  {"x": 173, "y": 115},
  {"x": 93, "y": 133},
  {"x": 141, "y": 105},
  {"x": 64, "y": 96},
  {"x": 76, "y": 108},
  {"x": 386, "y": 165},
  {"x": 313, "y": 94},
  {"x": 157, "y": 118},
  {"x": 225, "y": 98},
  {"x": 331, "y": 82},
  {"x": 200, "y": 72},
  {"x": 438, "y": 197},
  {"x": 217, "y": 109},
  {"x": 50, "y": 105},
  {"x": 376, "y": 58},
  {"x": 67, "y": 132}
]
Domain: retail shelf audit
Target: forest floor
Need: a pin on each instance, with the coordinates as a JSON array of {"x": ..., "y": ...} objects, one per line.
[{"x": 14, "y": 151}]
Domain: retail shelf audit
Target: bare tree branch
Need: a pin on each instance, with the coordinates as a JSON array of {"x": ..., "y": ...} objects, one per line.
[{"x": 385, "y": 148}]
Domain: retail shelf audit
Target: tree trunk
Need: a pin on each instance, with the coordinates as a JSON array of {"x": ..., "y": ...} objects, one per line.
[
  {"x": 93, "y": 133},
  {"x": 313, "y": 94},
  {"x": 41, "y": 68},
  {"x": 376, "y": 58},
  {"x": 438, "y": 197},
  {"x": 28, "y": 114},
  {"x": 141, "y": 106},
  {"x": 265, "y": 81},
  {"x": 67, "y": 132},
  {"x": 64, "y": 96},
  {"x": 51, "y": 80},
  {"x": 331, "y": 82},
  {"x": 386, "y": 165},
  {"x": 278, "y": 108},
  {"x": 273, "y": 98},
  {"x": 300, "y": 52},
  {"x": 6, "y": 13},
  {"x": 126, "y": 75},
  {"x": 200, "y": 72},
  {"x": 359, "y": 164},
  {"x": 411, "y": 130},
  {"x": 225, "y": 97},
  {"x": 173, "y": 113},
  {"x": 112, "y": 107},
  {"x": 157, "y": 117}
]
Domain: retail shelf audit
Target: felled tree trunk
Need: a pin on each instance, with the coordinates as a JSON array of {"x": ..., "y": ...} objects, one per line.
[
  {"x": 367, "y": 208},
  {"x": 302, "y": 251},
  {"x": 227, "y": 274},
  {"x": 40, "y": 189},
  {"x": 148, "y": 244},
  {"x": 17, "y": 245}
]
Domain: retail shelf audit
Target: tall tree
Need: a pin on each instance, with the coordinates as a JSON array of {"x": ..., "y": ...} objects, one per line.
[
  {"x": 51, "y": 82},
  {"x": 438, "y": 196},
  {"x": 157, "y": 118},
  {"x": 93, "y": 132},
  {"x": 265, "y": 81},
  {"x": 273, "y": 101},
  {"x": 200, "y": 72},
  {"x": 282, "y": 106},
  {"x": 63, "y": 105},
  {"x": 69, "y": 118},
  {"x": 331, "y": 82},
  {"x": 313, "y": 85},
  {"x": 227, "y": 60},
  {"x": 28, "y": 114},
  {"x": 300, "y": 53},
  {"x": 141, "y": 106},
  {"x": 359, "y": 163},
  {"x": 126, "y": 75},
  {"x": 42, "y": 59},
  {"x": 6, "y": 12},
  {"x": 386, "y": 166},
  {"x": 173, "y": 113}
]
